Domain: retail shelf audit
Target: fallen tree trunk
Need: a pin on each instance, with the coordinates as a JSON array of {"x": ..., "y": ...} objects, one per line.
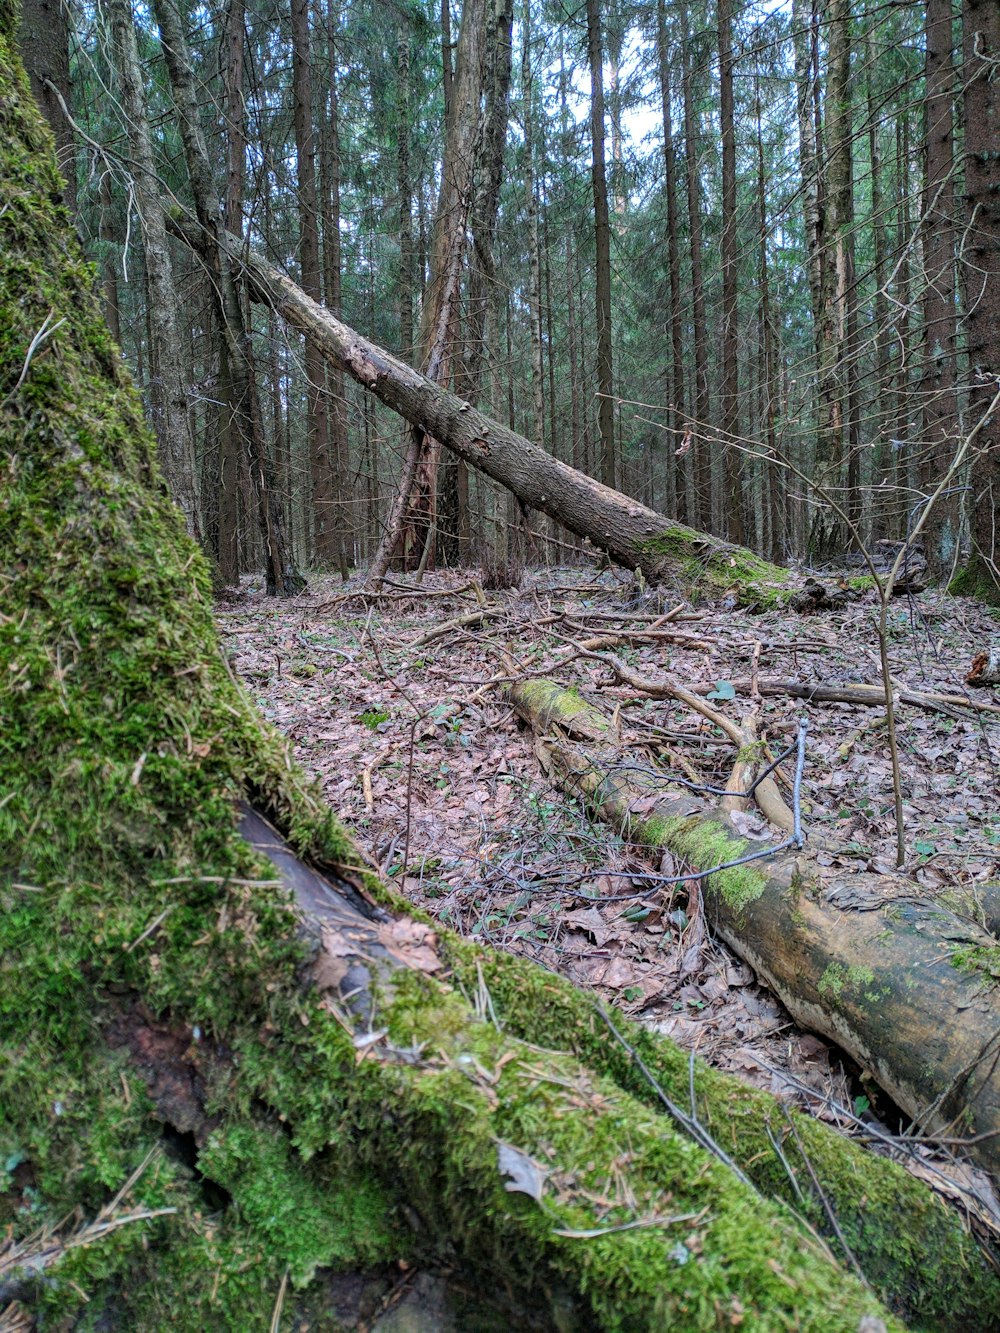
[
  {"x": 905, "y": 987},
  {"x": 631, "y": 534},
  {"x": 333, "y": 1101}
]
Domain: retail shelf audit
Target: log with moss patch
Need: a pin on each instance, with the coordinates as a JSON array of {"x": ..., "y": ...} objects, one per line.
[
  {"x": 907, "y": 988},
  {"x": 344, "y": 1107}
]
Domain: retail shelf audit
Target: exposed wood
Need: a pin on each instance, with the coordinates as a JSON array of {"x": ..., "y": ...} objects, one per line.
[{"x": 890, "y": 976}]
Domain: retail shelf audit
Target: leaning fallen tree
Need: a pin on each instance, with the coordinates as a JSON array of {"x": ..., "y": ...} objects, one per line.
[
  {"x": 632, "y": 535},
  {"x": 234, "y": 1073},
  {"x": 900, "y": 983}
]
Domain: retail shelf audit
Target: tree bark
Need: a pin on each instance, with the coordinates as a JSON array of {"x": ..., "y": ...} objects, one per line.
[
  {"x": 281, "y": 577},
  {"x": 412, "y": 521},
  {"x": 981, "y": 54},
  {"x": 853, "y": 956},
  {"x": 702, "y": 514},
  {"x": 339, "y": 444},
  {"x": 44, "y": 41},
  {"x": 170, "y": 400},
  {"x": 602, "y": 239},
  {"x": 323, "y": 525},
  {"x": 730, "y": 390},
  {"x": 677, "y": 488}
]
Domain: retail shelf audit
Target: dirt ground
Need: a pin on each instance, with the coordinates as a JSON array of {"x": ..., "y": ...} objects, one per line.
[{"x": 399, "y": 711}]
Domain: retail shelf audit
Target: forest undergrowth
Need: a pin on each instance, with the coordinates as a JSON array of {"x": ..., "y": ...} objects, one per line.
[{"x": 396, "y": 704}]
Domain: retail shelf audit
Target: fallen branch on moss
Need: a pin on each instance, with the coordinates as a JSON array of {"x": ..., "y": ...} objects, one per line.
[{"x": 897, "y": 981}]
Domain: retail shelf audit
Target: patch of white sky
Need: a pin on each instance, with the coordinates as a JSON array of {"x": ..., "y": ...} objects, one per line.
[{"x": 762, "y": 45}]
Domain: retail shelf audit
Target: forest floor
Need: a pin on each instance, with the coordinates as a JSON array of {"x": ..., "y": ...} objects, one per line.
[{"x": 417, "y": 750}]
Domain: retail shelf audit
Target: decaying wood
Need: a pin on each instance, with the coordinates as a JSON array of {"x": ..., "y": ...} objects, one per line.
[
  {"x": 869, "y": 696},
  {"x": 985, "y": 669},
  {"x": 900, "y": 983}
]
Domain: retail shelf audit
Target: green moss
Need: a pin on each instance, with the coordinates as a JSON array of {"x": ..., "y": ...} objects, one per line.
[
  {"x": 975, "y": 580},
  {"x": 838, "y": 979},
  {"x": 911, "y": 1246},
  {"x": 308, "y": 1215},
  {"x": 717, "y": 567},
  {"x": 705, "y": 843},
  {"x": 978, "y": 958}
]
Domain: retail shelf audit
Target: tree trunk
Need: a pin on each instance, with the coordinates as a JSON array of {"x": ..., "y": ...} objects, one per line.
[
  {"x": 699, "y": 438},
  {"x": 602, "y": 239},
  {"x": 229, "y": 442},
  {"x": 413, "y": 518},
  {"x": 883, "y": 984},
  {"x": 170, "y": 400},
  {"x": 193, "y": 1059},
  {"x": 730, "y": 387},
  {"x": 940, "y": 415},
  {"x": 342, "y": 511},
  {"x": 981, "y": 51},
  {"x": 324, "y": 528},
  {"x": 280, "y": 575},
  {"x": 837, "y": 277},
  {"x": 676, "y": 476},
  {"x": 44, "y": 41}
]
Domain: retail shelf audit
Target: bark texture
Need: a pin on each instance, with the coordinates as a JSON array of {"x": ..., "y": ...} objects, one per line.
[{"x": 900, "y": 983}]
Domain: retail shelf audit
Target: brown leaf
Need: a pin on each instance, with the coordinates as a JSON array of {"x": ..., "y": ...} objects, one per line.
[{"x": 412, "y": 943}]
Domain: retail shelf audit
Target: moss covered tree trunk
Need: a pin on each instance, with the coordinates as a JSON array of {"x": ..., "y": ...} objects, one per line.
[
  {"x": 900, "y": 983},
  {"x": 353, "y": 1090}
]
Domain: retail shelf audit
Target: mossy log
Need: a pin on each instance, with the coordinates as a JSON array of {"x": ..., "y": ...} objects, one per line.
[
  {"x": 903, "y": 985},
  {"x": 343, "y": 1103}
]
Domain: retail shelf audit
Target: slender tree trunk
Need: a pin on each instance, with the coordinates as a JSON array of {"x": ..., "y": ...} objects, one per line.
[
  {"x": 531, "y": 211},
  {"x": 880, "y": 411},
  {"x": 702, "y": 454},
  {"x": 901, "y": 441},
  {"x": 837, "y": 278},
  {"x": 413, "y": 516},
  {"x": 940, "y": 407},
  {"x": 339, "y": 450},
  {"x": 109, "y": 268},
  {"x": 171, "y": 415},
  {"x": 234, "y": 109},
  {"x": 730, "y": 384},
  {"x": 773, "y": 476},
  {"x": 280, "y": 575},
  {"x": 324, "y": 527},
  {"x": 500, "y": 552},
  {"x": 981, "y": 76},
  {"x": 602, "y": 236},
  {"x": 676, "y": 487},
  {"x": 404, "y": 187}
]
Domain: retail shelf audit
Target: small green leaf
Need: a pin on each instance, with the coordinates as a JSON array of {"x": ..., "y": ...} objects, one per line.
[
  {"x": 632, "y": 992},
  {"x": 724, "y": 689},
  {"x": 925, "y": 848},
  {"x": 861, "y": 1105}
]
